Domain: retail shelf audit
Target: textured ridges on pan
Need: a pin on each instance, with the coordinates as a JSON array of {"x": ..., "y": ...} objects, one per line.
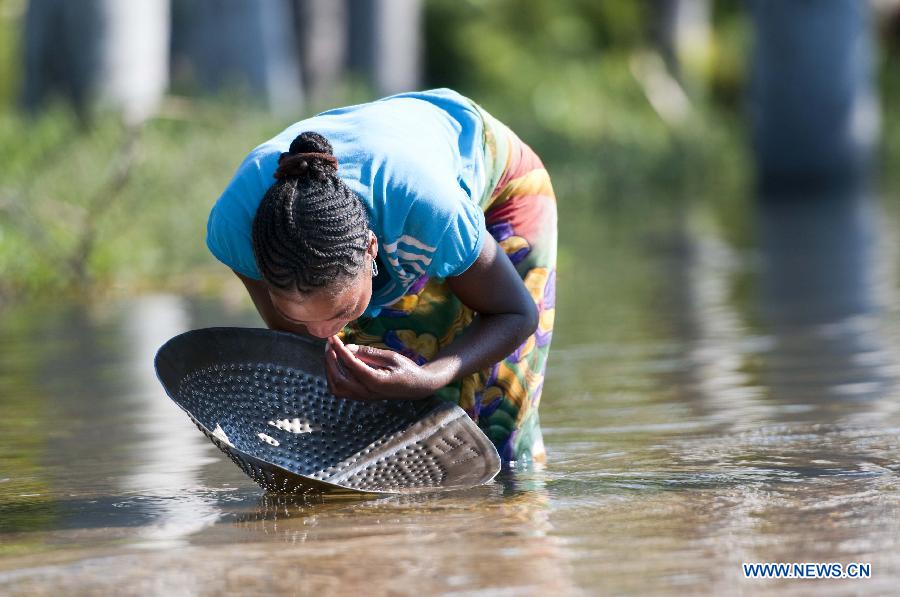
[
  {"x": 261, "y": 398},
  {"x": 439, "y": 450}
]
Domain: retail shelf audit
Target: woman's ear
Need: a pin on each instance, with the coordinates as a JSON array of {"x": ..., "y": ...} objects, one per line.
[{"x": 372, "y": 249}]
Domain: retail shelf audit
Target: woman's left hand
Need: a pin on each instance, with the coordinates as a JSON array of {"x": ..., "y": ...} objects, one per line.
[{"x": 368, "y": 373}]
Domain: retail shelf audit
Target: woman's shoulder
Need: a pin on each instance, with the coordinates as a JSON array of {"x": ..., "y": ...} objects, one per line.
[{"x": 420, "y": 177}]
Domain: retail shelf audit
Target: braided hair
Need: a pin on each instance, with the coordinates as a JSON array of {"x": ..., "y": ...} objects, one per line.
[{"x": 310, "y": 230}]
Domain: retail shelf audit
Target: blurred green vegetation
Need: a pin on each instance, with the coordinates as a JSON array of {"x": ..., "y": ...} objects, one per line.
[
  {"x": 105, "y": 207},
  {"x": 88, "y": 209},
  {"x": 890, "y": 90},
  {"x": 10, "y": 12},
  {"x": 566, "y": 77}
]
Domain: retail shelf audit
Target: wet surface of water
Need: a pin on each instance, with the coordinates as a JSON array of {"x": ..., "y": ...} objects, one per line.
[{"x": 706, "y": 405}]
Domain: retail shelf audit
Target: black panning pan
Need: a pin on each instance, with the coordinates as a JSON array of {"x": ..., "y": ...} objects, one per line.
[{"x": 262, "y": 398}]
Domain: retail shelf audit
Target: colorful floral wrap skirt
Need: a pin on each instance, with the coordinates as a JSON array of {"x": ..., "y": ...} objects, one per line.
[{"x": 520, "y": 213}]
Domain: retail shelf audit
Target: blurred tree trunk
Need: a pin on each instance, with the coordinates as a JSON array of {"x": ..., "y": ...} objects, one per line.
[
  {"x": 322, "y": 32},
  {"x": 813, "y": 107},
  {"x": 386, "y": 43},
  {"x": 243, "y": 46},
  {"x": 104, "y": 52},
  {"x": 682, "y": 30}
]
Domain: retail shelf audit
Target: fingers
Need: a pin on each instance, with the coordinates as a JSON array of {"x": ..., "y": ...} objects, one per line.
[
  {"x": 340, "y": 381},
  {"x": 368, "y": 354},
  {"x": 356, "y": 367},
  {"x": 373, "y": 356},
  {"x": 373, "y": 371},
  {"x": 325, "y": 360}
]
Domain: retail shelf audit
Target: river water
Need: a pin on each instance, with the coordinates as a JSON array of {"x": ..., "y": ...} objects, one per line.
[{"x": 718, "y": 393}]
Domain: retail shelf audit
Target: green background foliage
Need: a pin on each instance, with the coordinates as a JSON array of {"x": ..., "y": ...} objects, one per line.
[{"x": 88, "y": 209}]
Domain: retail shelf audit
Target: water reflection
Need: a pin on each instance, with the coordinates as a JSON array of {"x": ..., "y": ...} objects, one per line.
[
  {"x": 717, "y": 404},
  {"x": 494, "y": 538},
  {"x": 824, "y": 287},
  {"x": 714, "y": 377},
  {"x": 167, "y": 449},
  {"x": 113, "y": 452}
]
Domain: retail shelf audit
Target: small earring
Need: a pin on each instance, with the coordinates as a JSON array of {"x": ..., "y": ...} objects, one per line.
[{"x": 374, "y": 268}]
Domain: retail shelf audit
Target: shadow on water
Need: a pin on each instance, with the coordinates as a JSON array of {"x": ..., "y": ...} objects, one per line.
[{"x": 706, "y": 404}]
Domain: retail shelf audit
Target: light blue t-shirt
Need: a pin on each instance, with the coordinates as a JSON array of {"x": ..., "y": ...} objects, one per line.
[{"x": 416, "y": 160}]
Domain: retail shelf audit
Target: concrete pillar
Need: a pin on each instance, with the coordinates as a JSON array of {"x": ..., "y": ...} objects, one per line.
[
  {"x": 322, "y": 28},
  {"x": 386, "y": 43},
  {"x": 245, "y": 46},
  {"x": 104, "y": 53},
  {"x": 813, "y": 107}
]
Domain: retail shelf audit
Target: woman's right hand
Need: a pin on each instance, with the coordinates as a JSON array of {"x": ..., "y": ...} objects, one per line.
[{"x": 368, "y": 373}]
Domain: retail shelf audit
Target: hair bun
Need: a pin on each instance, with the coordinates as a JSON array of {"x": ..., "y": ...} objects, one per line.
[
  {"x": 310, "y": 142},
  {"x": 310, "y": 154}
]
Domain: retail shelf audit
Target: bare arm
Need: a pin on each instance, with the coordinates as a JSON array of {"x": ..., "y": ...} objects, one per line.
[
  {"x": 506, "y": 317},
  {"x": 272, "y": 318}
]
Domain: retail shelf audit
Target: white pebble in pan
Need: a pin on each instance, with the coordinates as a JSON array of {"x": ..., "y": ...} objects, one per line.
[
  {"x": 220, "y": 434},
  {"x": 268, "y": 439},
  {"x": 294, "y": 425}
]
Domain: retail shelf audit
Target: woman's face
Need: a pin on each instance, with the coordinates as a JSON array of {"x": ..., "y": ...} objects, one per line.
[{"x": 325, "y": 312}]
